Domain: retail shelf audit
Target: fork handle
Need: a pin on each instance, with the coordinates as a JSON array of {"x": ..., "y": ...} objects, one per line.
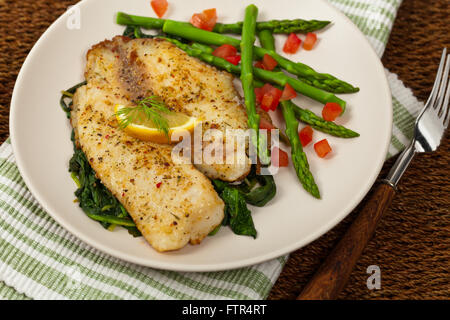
[{"x": 333, "y": 274}]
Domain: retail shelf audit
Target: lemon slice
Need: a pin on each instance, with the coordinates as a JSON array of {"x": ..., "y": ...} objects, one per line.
[{"x": 145, "y": 129}]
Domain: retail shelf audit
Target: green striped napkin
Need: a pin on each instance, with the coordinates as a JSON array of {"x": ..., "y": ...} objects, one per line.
[{"x": 40, "y": 260}]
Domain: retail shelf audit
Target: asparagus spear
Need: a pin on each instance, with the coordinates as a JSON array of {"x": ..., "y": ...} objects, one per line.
[
  {"x": 248, "y": 39},
  {"x": 139, "y": 21},
  {"x": 303, "y": 71},
  {"x": 266, "y": 39},
  {"x": 281, "y": 79},
  {"x": 202, "y": 47},
  {"x": 320, "y": 124},
  {"x": 278, "y": 78},
  {"x": 276, "y": 26},
  {"x": 324, "y": 81},
  {"x": 298, "y": 156}
]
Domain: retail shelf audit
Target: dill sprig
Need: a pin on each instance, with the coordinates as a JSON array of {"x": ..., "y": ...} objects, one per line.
[{"x": 152, "y": 108}]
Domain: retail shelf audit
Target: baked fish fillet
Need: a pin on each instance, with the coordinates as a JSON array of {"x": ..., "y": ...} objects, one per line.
[{"x": 171, "y": 204}]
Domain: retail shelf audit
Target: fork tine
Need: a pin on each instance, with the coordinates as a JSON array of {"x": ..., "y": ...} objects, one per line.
[
  {"x": 445, "y": 112},
  {"x": 437, "y": 82},
  {"x": 442, "y": 88}
]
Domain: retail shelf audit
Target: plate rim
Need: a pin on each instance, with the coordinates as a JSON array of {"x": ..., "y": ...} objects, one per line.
[{"x": 193, "y": 267}]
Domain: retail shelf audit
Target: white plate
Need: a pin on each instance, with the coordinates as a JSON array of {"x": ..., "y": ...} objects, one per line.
[{"x": 41, "y": 135}]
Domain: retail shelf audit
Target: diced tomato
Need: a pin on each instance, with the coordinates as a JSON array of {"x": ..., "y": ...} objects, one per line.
[
  {"x": 264, "y": 124},
  {"x": 279, "y": 158},
  {"x": 259, "y": 64},
  {"x": 266, "y": 102},
  {"x": 271, "y": 97},
  {"x": 322, "y": 148},
  {"x": 269, "y": 63},
  {"x": 270, "y": 101},
  {"x": 234, "y": 59},
  {"x": 259, "y": 94},
  {"x": 305, "y": 135},
  {"x": 225, "y": 50},
  {"x": 310, "y": 41},
  {"x": 205, "y": 20},
  {"x": 211, "y": 18},
  {"x": 159, "y": 6},
  {"x": 292, "y": 43},
  {"x": 198, "y": 21},
  {"x": 331, "y": 111},
  {"x": 276, "y": 93},
  {"x": 288, "y": 93},
  {"x": 210, "y": 24},
  {"x": 210, "y": 14},
  {"x": 266, "y": 88}
]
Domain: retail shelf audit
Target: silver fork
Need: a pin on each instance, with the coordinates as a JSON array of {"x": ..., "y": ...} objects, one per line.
[
  {"x": 430, "y": 124},
  {"x": 429, "y": 130}
]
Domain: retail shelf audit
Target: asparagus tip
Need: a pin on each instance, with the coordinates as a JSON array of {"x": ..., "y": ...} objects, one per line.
[{"x": 315, "y": 193}]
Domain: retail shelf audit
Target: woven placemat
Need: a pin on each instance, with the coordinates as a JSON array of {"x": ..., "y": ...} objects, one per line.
[{"x": 412, "y": 243}]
